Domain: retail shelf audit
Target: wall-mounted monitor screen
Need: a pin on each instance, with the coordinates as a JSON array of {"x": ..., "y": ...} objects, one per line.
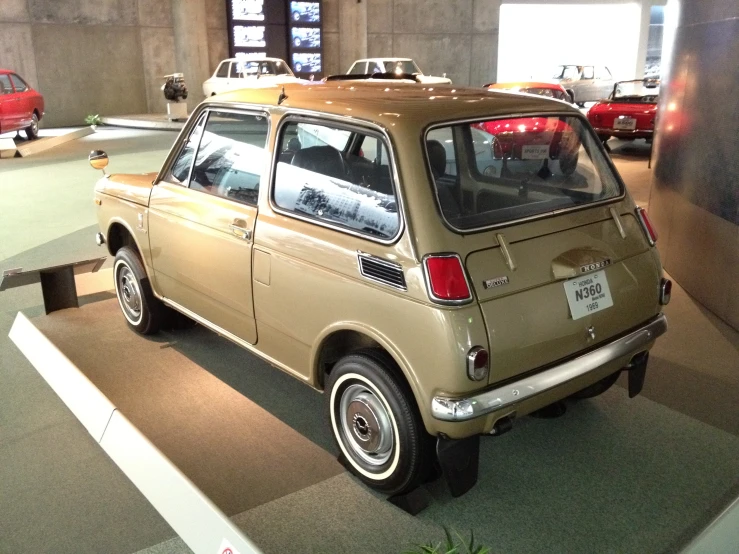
[
  {"x": 248, "y": 10},
  {"x": 306, "y": 63},
  {"x": 305, "y": 37},
  {"x": 249, "y": 36},
  {"x": 305, "y": 12}
]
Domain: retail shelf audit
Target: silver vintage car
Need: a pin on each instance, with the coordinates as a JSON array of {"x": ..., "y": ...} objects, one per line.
[{"x": 585, "y": 83}]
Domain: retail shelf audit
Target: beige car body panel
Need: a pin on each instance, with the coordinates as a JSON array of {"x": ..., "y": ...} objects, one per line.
[{"x": 303, "y": 285}]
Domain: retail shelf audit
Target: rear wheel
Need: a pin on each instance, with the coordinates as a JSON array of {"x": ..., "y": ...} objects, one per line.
[
  {"x": 376, "y": 424},
  {"x": 596, "y": 389},
  {"x": 142, "y": 310},
  {"x": 32, "y": 129}
]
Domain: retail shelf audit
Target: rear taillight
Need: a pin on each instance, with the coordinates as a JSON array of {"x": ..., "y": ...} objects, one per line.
[
  {"x": 477, "y": 363},
  {"x": 665, "y": 292},
  {"x": 646, "y": 225},
  {"x": 446, "y": 279}
]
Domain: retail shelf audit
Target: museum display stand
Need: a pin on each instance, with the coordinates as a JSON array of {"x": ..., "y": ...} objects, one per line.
[{"x": 196, "y": 519}]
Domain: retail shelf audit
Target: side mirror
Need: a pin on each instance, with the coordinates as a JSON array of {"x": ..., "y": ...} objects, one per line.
[{"x": 98, "y": 160}]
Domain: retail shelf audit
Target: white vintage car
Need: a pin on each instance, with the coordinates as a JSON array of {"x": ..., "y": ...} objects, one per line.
[
  {"x": 236, "y": 73},
  {"x": 398, "y": 66}
]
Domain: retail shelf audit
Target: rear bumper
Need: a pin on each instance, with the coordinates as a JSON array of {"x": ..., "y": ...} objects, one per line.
[
  {"x": 621, "y": 133},
  {"x": 471, "y": 407}
]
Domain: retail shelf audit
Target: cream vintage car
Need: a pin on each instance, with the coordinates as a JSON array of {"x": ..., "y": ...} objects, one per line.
[{"x": 365, "y": 238}]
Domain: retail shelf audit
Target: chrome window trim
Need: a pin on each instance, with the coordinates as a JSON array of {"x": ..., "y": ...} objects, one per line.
[
  {"x": 427, "y": 280},
  {"x": 392, "y": 265},
  {"x": 238, "y": 107},
  {"x": 518, "y": 221},
  {"x": 318, "y": 118}
]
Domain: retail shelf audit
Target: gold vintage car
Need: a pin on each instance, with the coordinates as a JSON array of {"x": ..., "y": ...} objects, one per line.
[{"x": 368, "y": 239}]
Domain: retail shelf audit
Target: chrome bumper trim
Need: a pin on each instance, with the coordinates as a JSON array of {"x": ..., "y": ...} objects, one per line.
[
  {"x": 613, "y": 132},
  {"x": 464, "y": 409}
]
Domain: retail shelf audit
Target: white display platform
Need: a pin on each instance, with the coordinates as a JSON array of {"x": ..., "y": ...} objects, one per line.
[
  {"x": 176, "y": 110},
  {"x": 40, "y": 145},
  {"x": 193, "y": 516},
  {"x": 7, "y": 148}
]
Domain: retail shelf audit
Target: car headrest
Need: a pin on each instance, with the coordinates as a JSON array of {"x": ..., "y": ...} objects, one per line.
[
  {"x": 437, "y": 157},
  {"x": 326, "y": 160},
  {"x": 293, "y": 145}
]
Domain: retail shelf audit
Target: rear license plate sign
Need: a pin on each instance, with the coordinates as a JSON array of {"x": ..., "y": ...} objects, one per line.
[
  {"x": 624, "y": 123},
  {"x": 535, "y": 152},
  {"x": 588, "y": 294}
]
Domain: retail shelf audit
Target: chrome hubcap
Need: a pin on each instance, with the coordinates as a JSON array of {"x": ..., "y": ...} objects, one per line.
[
  {"x": 366, "y": 425},
  {"x": 129, "y": 294}
]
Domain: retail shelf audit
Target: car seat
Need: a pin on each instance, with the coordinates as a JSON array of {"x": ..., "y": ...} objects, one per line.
[
  {"x": 437, "y": 161},
  {"x": 325, "y": 160}
]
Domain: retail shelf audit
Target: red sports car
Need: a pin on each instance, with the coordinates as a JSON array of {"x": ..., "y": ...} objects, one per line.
[
  {"x": 550, "y": 90},
  {"x": 21, "y": 107},
  {"x": 629, "y": 112},
  {"x": 534, "y": 138}
]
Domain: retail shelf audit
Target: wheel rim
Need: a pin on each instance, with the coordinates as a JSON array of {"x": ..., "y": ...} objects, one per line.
[
  {"x": 366, "y": 425},
  {"x": 34, "y": 124},
  {"x": 129, "y": 294}
]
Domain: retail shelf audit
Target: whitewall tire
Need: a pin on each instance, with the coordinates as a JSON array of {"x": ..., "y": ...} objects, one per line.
[
  {"x": 376, "y": 424},
  {"x": 142, "y": 310}
]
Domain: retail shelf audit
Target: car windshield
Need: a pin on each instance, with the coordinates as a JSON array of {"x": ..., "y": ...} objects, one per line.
[
  {"x": 500, "y": 170},
  {"x": 644, "y": 91},
  {"x": 567, "y": 71},
  {"x": 401, "y": 66}
]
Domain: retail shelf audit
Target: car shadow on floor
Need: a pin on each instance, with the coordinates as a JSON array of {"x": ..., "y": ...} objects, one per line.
[{"x": 293, "y": 402}]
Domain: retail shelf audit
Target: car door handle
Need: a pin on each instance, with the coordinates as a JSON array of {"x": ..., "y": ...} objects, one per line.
[{"x": 238, "y": 229}]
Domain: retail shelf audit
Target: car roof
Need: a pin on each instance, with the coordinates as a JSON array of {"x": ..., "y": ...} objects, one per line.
[
  {"x": 263, "y": 59},
  {"x": 386, "y": 103},
  {"x": 527, "y": 84},
  {"x": 385, "y": 60},
  {"x": 6, "y": 71}
]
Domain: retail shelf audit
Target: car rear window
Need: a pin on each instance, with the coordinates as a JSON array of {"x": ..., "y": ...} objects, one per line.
[{"x": 495, "y": 171}]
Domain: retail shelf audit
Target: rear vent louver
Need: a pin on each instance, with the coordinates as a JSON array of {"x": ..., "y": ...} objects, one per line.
[{"x": 382, "y": 271}]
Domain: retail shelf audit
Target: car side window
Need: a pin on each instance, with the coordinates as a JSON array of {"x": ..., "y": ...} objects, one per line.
[
  {"x": 442, "y": 137},
  {"x": 20, "y": 84},
  {"x": 234, "y": 70},
  {"x": 358, "y": 68},
  {"x": 231, "y": 156},
  {"x": 5, "y": 86},
  {"x": 602, "y": 73},
  {"x": 587, "y": 72},
  {"x": 223, "y": 70},
  {"x": 180, "y": 172},
  {"x": 351, "y": 188}
]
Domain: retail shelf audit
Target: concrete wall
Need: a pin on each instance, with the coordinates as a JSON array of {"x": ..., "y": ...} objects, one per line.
[
  {"x": 99, "y": 56},
  {"x": 456, "y": 37},
  {"x": 694, "y": 199}
]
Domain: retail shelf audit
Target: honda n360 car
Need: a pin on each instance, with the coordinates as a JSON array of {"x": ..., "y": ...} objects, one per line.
[
  {"x": 21, "y": 107},
  {"x": 629, "y": 112},
  {"x": 363, "y": 238}
]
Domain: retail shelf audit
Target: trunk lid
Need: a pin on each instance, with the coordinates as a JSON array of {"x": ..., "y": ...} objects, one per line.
[{"x": 526, "y": 310}]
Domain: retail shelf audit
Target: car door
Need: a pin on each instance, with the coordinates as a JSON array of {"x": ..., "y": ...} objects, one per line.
[
  {"x": 202, "y": 217},
  {"x": 9, "y": 109},
  {"x": 586, "y": 88},
  {"x": 24, "y": 101},
  {"x": 605, "y": 81}
]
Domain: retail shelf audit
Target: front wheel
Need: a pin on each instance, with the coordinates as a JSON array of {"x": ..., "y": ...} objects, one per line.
[
  {"x": 32, "y": 129},
  {"x": 375, "y": 423},
  {"x": 142, "y": 310}
]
